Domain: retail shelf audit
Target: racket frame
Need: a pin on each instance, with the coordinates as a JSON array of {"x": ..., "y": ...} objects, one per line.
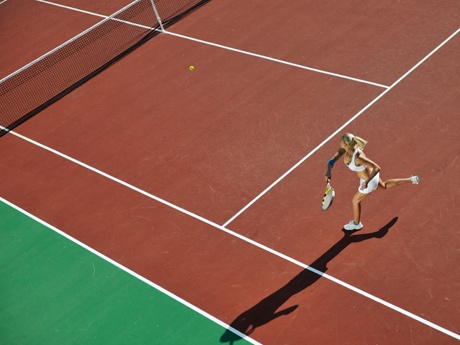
[{"x": 328, "y": 190}]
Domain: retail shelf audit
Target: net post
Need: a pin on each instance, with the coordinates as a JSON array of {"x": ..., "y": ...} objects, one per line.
[{"x": 157, "y": 15}]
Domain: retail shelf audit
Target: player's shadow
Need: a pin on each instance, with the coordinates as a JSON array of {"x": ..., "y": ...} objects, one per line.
[{"x": 267, "y": 309}]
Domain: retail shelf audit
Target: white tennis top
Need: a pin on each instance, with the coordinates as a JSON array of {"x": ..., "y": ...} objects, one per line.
[{"x": 352, "y": 165}]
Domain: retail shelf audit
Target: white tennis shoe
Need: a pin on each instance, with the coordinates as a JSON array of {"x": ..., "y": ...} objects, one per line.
[
  {"x": 414, "y": 179},
  {"x": 353, "y": 226}
]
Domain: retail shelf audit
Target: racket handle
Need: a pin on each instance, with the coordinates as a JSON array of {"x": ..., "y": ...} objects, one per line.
[{"x": 329, "y": 172}]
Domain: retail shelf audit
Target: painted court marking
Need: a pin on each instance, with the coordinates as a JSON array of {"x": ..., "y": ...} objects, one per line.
[
  {"x": 248, "y": 240},
  {"x": 341, "y": 128},
  {"x": 132, "y": 273},
  {"x": 337, "y": 75},
  {"x": 100, "y": 15},
  {"x": 275, "y": 60}
]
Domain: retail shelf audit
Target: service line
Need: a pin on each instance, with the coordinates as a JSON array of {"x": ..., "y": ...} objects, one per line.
[{"x": 337, "y": 75}]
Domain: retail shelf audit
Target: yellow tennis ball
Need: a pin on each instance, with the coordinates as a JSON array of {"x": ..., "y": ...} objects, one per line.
[{"x": 191, "y": 68}]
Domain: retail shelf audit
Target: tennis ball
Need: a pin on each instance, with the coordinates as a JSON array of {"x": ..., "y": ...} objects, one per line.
[{"x": 191, "y": 68}]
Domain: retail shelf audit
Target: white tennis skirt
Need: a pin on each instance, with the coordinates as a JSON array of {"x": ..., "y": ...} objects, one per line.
[{"x": 371, "y": 186}]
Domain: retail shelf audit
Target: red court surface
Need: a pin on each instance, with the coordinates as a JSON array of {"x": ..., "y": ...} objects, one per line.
[
  {"x": 375, "y": 40},
  {"x": 155, "y": 165}
]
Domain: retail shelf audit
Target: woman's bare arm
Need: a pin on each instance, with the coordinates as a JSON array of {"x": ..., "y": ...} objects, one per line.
[{"x": 331, "y": 162}]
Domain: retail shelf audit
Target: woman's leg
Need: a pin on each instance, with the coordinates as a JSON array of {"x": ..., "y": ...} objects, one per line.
[
  {"x": 393, "y": 182},
  {"x": 357, "y": 206}
]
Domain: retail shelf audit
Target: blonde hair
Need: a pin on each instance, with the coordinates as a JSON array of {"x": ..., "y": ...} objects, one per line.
[{"x": 352, "y": 140}]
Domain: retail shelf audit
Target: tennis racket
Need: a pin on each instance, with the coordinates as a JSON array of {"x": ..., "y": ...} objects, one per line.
[{"x": 328, "y": 197}]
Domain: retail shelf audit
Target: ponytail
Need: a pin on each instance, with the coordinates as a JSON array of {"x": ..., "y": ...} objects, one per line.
[
  {"x": 352, "y": 140},
  {"x": 360, "y": 141}
]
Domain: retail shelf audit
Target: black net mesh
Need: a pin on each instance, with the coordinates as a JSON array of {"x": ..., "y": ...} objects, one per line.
[{"x": 41, "y": 83}]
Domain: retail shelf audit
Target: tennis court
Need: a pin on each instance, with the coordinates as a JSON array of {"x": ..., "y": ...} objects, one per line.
[{"x": 149, "y": 203}]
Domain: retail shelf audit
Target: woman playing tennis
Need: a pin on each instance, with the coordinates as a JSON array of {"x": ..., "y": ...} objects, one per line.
[{"x": 351, "y": 147}]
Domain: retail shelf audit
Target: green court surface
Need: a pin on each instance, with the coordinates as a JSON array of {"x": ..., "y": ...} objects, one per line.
[{"x": 54, "y": 291}]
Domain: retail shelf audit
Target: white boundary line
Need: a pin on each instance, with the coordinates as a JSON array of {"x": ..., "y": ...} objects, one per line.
[
  {"x": 276, "y": 60},
  {"x": 132, "y": 273},
  {"x": 337, "y": 75},
  {"x": 98, "y": 15},
  {"x": 339, "y": 130},
  {"x": 243, "y": 238},
  {"x": 73, "y": 8}
]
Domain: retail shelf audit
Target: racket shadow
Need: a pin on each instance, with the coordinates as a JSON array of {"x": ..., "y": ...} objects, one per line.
[{"x": 267, "y": 309}]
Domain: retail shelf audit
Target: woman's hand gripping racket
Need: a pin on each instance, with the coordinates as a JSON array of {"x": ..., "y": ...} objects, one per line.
[{"x": 329, "y": 193}]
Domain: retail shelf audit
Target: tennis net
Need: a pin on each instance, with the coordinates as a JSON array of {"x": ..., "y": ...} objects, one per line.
[{"x": 39, "y": 84}]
